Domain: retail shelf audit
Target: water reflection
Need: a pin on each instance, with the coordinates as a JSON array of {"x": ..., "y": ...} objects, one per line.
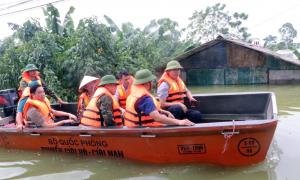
[
  {"x": 74, "y": 175},
  {"x": 11, "y": 172},
  {"x": 17, "y": 163},
  {"x": 145, "y": 178}
]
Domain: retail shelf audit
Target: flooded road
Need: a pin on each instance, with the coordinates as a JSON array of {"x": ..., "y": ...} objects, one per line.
[{"x": 282, "y": 161}]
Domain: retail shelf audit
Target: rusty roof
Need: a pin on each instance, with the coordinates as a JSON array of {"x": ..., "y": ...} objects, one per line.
[{"x": 237, "y": 42}]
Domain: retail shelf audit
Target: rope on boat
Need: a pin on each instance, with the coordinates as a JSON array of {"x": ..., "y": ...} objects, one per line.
[{"x": 228, "y": 136}]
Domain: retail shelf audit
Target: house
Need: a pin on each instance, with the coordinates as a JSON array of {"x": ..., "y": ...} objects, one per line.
[{"x": 226, "y": 61}]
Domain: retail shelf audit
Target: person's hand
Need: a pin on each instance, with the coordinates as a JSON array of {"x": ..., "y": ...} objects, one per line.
[
  {"x": 73, "y": 117},
  {"x": 185, "y": 122},
  {"x": 20, "y": 127},
  {"x": 183, "y": 107},
  {"x": 122, "y": 110},
  {"x": 60, "y": 101},
  {"x": 192, "y": 99},
  {"x": 170, "y": 115},
  {"x": 68, "y": 121},
  {"x": 166, "y": 113}
]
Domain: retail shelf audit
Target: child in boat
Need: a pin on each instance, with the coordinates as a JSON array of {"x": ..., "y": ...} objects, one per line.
[{"x": 38, "y": 111}]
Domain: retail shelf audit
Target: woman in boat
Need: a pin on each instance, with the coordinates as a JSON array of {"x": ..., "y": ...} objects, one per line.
[
  {"x": 172, "y": 91},
  {"x": 38, "y": 112},
  {"x": 103, "y": 109},
  {"x": 86, "y": 89},
  {"x": 142, "y": 109}
]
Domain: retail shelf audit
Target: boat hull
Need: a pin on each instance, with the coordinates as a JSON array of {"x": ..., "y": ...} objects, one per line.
[{"x": 234, "y": 143}]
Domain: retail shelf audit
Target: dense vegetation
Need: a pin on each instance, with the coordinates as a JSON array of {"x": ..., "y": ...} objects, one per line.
[{"x": 64, "y": 53}]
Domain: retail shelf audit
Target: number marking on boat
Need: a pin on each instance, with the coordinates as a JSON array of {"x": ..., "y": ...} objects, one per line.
[
  {"x": 249, "y": 146},
  {"x": 191, "y": 149}
]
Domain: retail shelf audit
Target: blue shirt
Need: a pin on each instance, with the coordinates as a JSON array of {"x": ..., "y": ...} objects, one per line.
[
  {"x": 146, "y": 105},
  {"x": 21, "y": 104}
]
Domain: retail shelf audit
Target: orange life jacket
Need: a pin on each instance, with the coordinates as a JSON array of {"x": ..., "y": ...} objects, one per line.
[
  {"x": 177, "y": 90},
  {"x": 123, "y": 94},
  {"x": 92, "y": 117},
  {"x": 43, "y": 107},
  {"x": 131, "y": 116},
  {"x": 83, "y": 101}
]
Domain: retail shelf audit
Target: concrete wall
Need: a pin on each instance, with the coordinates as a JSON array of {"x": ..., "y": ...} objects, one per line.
[{"x": 284, "y": 76}]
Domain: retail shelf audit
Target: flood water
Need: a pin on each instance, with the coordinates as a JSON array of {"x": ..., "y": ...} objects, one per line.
[{"x": 282, "y": 161}]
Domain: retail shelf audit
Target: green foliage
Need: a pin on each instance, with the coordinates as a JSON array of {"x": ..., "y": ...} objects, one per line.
[
  {"x": 297, "y": 53},
  {"x": 270, "y": 42},
  {"x": 288, "y": 33},
  {"x": 64, "y": 54},
  {"x": 207, "y": 24},
  {"x": 26, "y": 32},
  {"x": 68, "y": 24},
  {"x": 52, "y": 19}
]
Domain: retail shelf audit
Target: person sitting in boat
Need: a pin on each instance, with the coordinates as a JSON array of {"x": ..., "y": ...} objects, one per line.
[
  {"x": 103, "y": 109},
  {"x": 123, "y": 89},
  {"x": 31, "y": 73},
  {"x": 172, "y": 91},
  {"x": 38, "y": 112},
  {"x": 22, "y": 101},
  {"x": 86, "y": 89},
  {"x": 142, "y": 109}
]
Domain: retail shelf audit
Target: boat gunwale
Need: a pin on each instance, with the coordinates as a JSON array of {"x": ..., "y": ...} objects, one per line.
[
  {"x": 232, "y": 93},
  {"x": 201, "y": 128}
]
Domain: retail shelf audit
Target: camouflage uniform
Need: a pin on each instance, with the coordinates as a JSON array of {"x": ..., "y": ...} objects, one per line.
[
  {"x": 35, "y": 118},
  {"x": 105, "y": 106}
]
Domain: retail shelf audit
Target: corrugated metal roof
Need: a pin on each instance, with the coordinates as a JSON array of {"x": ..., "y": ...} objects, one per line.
[{"x": 240, "y": 43}]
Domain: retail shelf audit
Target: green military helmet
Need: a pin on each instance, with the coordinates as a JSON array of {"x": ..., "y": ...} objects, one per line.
[
  {"x": 30, "y": 67},
  {"x": 108, "y": 79},
  {"x": 173, "y": 65},
  {"x": 143, "y": 76}
]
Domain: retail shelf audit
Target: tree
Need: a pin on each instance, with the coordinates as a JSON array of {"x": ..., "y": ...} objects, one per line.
[
  {"x": 27, "y": 31},
  {"x": 270, "y": 42},
  {"x": 113, "y": 26},
  {"x": 165, "y": 35},
  {"x": 206, "y": 25},
  {"x": 64, "y": 54},
  {"x": 68, "y": 24},
  {"x": 52, "y": 19},
  {"x": 288, "y": 34},
  {"x": 53, "y": 23},
  {"x": 236, "y": 30},
  {"x": 297, "y": 53}
]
